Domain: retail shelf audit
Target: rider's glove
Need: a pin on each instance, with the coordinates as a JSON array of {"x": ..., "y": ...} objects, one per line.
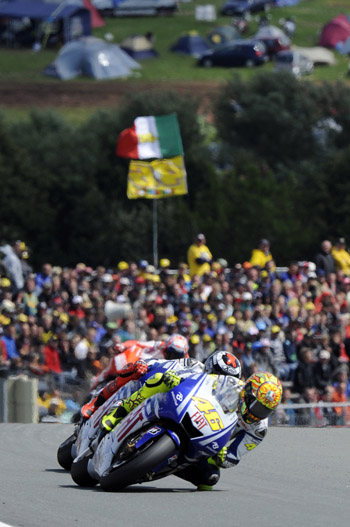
[
  {"x": 171, "y": 380},
  {"x": 133, "y": 370},
  {"x": 141, "y": 368}
]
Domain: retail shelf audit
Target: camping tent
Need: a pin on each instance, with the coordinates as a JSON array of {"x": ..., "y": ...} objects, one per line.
[
  {"x": 92, "y": 57},
  {"x": 70, "y": 21},
  {"x": 318, "y": 55},
  {"x": 221, "y": 34},
  {"x": 336, "y": 32},
  {"x": 138, "y": 47},
  {"x": 96, "y": 18},
  {"x": 272, "y": 32},
  {"x": 190, "y": 44}
]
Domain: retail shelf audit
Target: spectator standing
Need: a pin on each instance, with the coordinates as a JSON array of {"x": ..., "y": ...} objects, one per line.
[
  {"x": 324, "y": 259},
  {"x": 199, "y": 256},
  {"x": 341, "y": 256},
  {"x": 261, "y": 255},
  {"x": 13, "y": 266}
]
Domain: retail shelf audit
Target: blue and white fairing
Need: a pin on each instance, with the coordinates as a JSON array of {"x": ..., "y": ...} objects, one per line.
[
  {"x": 194, "y": 405},
  {"x": 192, "y": 409}
]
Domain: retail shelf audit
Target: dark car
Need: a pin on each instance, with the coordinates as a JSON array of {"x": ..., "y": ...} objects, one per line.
[
  {"x": 235, "y": 53},
  {"x": 145, "y": 8},
  {"x": 241, "y": 7}
]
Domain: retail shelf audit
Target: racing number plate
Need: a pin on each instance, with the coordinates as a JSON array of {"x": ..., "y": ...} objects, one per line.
[{"x": 206, "y": 415}]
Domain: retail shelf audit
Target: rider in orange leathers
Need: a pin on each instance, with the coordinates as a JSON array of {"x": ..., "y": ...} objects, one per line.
[{"x": 129, "y": 364}]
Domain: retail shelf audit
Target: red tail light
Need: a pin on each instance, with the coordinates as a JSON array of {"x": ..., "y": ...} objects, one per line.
[{"x": 258, "y": 52}]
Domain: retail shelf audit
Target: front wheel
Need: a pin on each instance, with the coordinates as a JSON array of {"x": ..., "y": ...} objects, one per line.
[
  {"x": 64, "y": 453},
  {"x": 80, "y": 474},
  {"x": 134, "y": 470}
]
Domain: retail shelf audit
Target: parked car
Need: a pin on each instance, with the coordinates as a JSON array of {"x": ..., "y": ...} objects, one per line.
[
  {"x": 145, "y": 8},
  {"x": 274, "y": 39},
  {"x": 241, "y": 7},
  {"x": 235, "y": 53},
  {"x": 294, "y": 62}
]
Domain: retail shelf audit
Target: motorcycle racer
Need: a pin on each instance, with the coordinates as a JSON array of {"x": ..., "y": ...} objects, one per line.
[
  {"x": 175, "y": 347},
  {"x": 258, "y": 397},
  {"x": 220, "y": 362}
]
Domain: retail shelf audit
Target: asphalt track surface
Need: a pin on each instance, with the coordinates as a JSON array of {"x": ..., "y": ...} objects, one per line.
[{"x": 298, "y": 477}]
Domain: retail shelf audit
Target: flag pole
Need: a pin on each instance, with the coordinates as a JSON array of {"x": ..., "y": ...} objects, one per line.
[{"x": 155, "y": 233}]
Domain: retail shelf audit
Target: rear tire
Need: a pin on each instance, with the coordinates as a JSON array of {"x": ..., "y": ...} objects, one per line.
[
  {"x": 132, "y": 471},
  {"x": 80, "y": 474},
  {"x": 64, "y": 453},
  {"x": 249, "y": 63}
]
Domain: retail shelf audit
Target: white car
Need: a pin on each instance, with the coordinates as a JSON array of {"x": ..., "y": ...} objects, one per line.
[{"x": 294, "y": 62}]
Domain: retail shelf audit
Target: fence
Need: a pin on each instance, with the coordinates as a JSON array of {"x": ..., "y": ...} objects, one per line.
[{"x": 312, "y": 414}]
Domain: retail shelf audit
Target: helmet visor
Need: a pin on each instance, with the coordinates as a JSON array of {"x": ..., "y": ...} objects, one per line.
[{"x": 259, "y": 410}]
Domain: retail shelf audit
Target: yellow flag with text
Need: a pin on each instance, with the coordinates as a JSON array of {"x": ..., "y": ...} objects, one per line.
[{"x": 157, "y": 179}]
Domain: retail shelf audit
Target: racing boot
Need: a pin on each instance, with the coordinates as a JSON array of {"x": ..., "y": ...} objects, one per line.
[
  {"x": 211, "y": 476},
  {"x": 129, "y": 372},
  {"x": 158, "y": 383},
  {"x": 89, "y": 408}
]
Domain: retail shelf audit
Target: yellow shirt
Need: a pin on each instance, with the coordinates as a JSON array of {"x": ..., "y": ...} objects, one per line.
[
  {"x": 342, "y": 260},
  {"x": 195, "y": 252},
  {"x": 259, "y": 258}
]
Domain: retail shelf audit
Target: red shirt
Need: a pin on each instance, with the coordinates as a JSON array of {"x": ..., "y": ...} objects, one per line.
[{"x": 52, "y": 358}]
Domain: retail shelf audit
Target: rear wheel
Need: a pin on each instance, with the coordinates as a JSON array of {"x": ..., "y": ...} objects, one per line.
[
  {"x": 249, "y": 63},
  {"x": 133, "y": 471},
  {"x": 64, "y": 453}
]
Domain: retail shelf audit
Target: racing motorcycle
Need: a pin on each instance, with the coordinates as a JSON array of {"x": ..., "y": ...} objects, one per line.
[
  {"x": 163, "y": 435},
  {"x": 85, "y": 430}
]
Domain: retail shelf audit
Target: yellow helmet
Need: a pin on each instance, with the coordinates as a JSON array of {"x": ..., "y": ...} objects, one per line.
[{"x": 260, "y": 396}]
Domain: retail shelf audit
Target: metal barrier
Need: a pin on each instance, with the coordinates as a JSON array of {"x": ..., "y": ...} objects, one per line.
[{"x": 312, "y": 414}]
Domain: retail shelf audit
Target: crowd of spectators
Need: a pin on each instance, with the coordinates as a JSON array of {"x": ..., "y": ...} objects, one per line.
[{"x": 293, "y": 321}]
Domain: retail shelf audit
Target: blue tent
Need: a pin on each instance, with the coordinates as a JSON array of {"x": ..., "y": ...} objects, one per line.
[
  {"x": 74, "y": 21},
  {"x": 191, "y": 44}
]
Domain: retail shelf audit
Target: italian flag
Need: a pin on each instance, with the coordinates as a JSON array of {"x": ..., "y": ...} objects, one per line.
[{"x": 151, "y": 138}]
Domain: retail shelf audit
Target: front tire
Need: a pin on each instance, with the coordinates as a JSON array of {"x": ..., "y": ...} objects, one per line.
[
  {"x": 64, "y": 453},
  {"x": 80, "y": 474},
  {"x": 138, "y": 466}
]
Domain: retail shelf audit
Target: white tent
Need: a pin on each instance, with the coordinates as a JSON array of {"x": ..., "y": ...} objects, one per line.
[
  {"x": 270, "y": 32},
  {"x": 318, "y": 55},
  {"x": 92, "y": 57}
]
